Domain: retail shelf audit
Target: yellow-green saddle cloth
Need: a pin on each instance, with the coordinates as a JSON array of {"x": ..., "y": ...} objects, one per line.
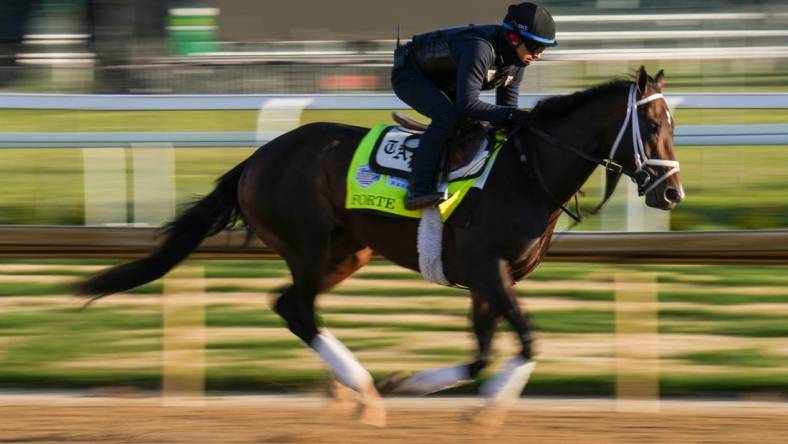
[{"x": 377, "y": 181}]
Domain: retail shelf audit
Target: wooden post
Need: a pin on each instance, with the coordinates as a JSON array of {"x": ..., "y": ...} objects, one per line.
[
  {"x": 183, "y": 335},
  {"x": 637, "y": 342},
  {"x": 104, "y": 185},
  {"x": 154, "y": 183}
]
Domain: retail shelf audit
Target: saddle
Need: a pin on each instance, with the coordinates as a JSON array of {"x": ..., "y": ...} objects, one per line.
[
  {"x": 467, "y": 151},
  {"x": 408, "y": 123}
]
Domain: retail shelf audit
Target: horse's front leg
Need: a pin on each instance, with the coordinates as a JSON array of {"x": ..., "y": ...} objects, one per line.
[
  {"x": 494, "y": 284},
  {"x": 437, "y": 379}
]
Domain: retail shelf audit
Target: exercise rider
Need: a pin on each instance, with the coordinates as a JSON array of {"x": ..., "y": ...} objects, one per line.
[{"x": 441, "y": 73}]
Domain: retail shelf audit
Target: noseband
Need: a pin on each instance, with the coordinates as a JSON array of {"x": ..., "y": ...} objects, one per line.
[{"x": 641, "y": 175}]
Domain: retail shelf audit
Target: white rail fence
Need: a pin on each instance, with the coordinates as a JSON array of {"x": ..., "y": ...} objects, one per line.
[
  {"x": 361, "y": 101},
  {"x": 152, "y": 156},
  {"x": 686, "y": 135}
]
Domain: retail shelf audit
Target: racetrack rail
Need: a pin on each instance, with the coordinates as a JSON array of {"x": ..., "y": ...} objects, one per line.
[{"x": 689, "y": 247}]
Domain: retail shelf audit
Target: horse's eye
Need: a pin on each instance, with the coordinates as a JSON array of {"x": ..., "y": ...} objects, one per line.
[{"x": 653, "y": 127}]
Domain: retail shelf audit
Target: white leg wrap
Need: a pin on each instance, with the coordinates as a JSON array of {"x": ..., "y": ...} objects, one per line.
[
  {"x": 343, "y": 364},
  {"x": 505, "y": 388},
  {"x": 435, "y": 379}
]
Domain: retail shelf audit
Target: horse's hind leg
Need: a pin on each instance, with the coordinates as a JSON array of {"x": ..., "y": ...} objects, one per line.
[
  {"x": 328, "y": 261},
  {"x": 347, "y": 259}
]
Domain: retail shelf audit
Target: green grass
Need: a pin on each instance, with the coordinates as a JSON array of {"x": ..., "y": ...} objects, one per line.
[
  {"x": 566, "y": 271},
  {"x": 401, "y": 292},
  {"x": 243, "y": 120},
  {"x": 42, "y": 289},
  {"x": 742, "y": 357},
  {"x": 714, "y": 298},
  {"x": 249, "y": 351},
  {"x": 54, "y": 378},
  {"x": 39, "y": 340},
  {"x": 47, "y": 339},
  {"x": 56, "y": 120},
  {"x": 757, "y": 325},
  {"x": 415, "y": 308},
  {"x": 60, "y": 261},
  {"x": 226, "y": 317},
  {"x": 250, "y": 344},
  {"x": 32, "y": 289},
  {"x": 213, "y": 288},
  {"x": 454, "y": 353},
  {"x": 458, "y": 326},
  {"x": 50, "y": 272},
  {"x": 246, "y": 273},
  {"x": 402, "y": 275},
  {"x": 376, "y": 343},
  {"x": 744, "y": 383},
  {"x": 574, "y": 321},
  {"x": 255, "y": 378},
  {"x": 582, "y": 295}
]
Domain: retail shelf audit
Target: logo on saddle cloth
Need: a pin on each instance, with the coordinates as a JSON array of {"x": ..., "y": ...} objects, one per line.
[
  {"x": 393, "y": 153},
  {"x": 377, "y": 178}
]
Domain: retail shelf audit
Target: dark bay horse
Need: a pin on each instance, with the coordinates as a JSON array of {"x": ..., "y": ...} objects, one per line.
[{"x": 291, "y": 194}]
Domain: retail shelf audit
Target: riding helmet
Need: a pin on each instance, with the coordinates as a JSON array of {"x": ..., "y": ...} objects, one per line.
[{"x": 532, "y": 23}]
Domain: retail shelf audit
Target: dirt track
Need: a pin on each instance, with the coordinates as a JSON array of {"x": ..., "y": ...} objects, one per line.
[{"x": 306, "y": 420}]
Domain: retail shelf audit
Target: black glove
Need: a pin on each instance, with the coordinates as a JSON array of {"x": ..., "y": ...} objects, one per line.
[{"x": 520, "y": 117}]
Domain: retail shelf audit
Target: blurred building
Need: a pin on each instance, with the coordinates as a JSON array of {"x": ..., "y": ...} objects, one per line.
[
  {"x": 251, "y": 20},
  {"x": 248, "y": 46}
]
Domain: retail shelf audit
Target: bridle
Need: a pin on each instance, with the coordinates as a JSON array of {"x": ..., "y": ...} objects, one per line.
[
  {"x": 641, "y": 175},
  {"x": 646, "y": 182}
]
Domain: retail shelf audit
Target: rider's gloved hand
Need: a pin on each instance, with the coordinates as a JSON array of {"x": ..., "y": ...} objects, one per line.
[{"x": 520, "y": 117}]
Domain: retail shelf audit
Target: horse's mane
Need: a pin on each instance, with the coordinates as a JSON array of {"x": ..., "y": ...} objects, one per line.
[{"x": 560, "y": 106}]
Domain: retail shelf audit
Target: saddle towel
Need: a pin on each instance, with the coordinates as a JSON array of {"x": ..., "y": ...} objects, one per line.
[
  {"x": 429, "y": 245},
  {"x": 377, "y": 177}
]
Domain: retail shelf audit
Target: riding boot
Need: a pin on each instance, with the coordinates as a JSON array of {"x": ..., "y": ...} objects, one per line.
[{"x": 421, "y": 189}]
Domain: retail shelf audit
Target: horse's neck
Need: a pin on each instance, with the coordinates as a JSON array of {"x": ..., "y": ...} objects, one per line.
[{"x": 565, "y": 172}]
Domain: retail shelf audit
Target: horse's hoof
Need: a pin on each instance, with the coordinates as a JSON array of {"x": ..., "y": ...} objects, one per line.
[
  {"x": 487, "y": 420},
  {"x": 372, "y": 414},
  {"x": 388, "y": 385},
  {"x": 371, "y": 411},
  {"x": 342, "y": 399}
]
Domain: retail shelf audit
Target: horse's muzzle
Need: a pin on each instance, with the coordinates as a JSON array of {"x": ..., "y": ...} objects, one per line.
[{"x": 665, "y": 197}]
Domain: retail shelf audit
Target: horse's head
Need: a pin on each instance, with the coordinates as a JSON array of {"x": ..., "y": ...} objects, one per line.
[{"x": 651, "y": 158}]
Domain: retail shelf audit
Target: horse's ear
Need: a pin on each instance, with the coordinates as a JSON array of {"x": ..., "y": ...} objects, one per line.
[
  {"x": 660, "y": 79},
  {"x": 642, "y": 79}
]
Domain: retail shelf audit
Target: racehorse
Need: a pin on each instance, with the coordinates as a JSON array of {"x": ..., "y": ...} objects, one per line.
[{"x": 291, "y": 194}]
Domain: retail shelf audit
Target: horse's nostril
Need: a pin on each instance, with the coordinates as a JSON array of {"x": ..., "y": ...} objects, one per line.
[{"x": 672, "y": 195}]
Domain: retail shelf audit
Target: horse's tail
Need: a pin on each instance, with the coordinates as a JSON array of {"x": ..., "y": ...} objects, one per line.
[{"x": 201, "y": 219}]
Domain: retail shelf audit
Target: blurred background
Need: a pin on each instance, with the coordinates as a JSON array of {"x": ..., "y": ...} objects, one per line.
[
  {"x": 709, "y": 329},
  {"x": 246, "y": 46}
]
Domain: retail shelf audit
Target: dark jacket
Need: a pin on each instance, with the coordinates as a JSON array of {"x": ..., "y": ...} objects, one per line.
[{"x": 467, "y": 60}]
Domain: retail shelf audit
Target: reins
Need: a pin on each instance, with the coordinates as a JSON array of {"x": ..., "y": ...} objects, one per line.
[{"x": 540, "y": 178}]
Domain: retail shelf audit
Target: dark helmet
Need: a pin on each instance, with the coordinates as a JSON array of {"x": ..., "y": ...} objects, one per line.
[{"x": 532, "y": 23}]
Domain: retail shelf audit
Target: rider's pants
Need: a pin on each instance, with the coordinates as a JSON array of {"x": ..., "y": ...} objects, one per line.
[{"x": 425, "y": 97}]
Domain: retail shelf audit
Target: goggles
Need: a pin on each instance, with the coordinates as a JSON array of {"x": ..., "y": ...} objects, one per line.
[
  {"x": 532, "y": 46},
  {"x": 533, "y": 42}
]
